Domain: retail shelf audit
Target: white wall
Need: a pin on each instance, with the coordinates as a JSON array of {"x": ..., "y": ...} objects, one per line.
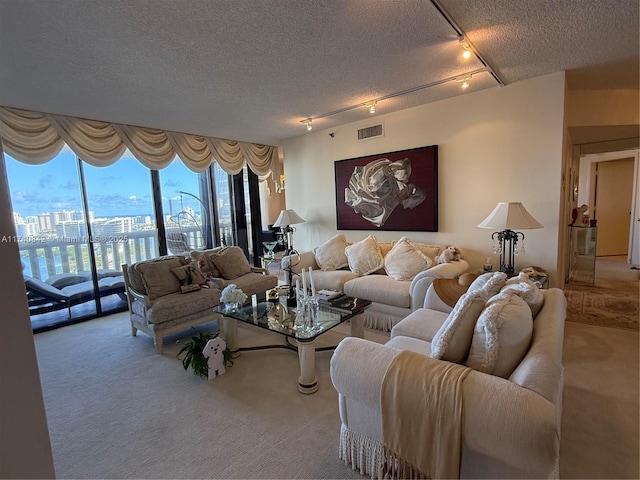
[
  {"x": 25, "y": 451},
  {"x": 502, "y": 144}
]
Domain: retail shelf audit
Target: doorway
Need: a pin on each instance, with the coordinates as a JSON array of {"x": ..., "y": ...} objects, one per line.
[{"x": 612, "y": 200}]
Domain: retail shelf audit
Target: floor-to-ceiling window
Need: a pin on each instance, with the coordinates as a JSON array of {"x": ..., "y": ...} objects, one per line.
[
  {"x": 185, "y": 200},
  {"x": 77, "y": 224},
  {"x": 122, "y": 219},
  {"x": 52, "y": 233}
]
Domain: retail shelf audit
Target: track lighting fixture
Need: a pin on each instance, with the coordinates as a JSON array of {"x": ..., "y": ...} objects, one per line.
[
  {"x": 464, "y": 82},
  {"x": 372, "y": 108},
  {"x": 466, "y": 47},
  {"x": 308, "y": 122}
]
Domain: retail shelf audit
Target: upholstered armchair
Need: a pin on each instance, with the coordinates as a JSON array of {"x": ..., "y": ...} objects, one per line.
[{"x": 156, "y": 303}]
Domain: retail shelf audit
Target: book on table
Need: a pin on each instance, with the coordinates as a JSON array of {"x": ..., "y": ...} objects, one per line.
[
  {"x": 348, "y": 304},
  {"x": 327, "y": 296}
]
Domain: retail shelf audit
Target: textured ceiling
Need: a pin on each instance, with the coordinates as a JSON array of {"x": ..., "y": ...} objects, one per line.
[{"x": 252, "y": 70}]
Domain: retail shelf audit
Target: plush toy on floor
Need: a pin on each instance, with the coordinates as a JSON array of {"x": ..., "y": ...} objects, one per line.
[
  {"x": 214, "y": 351},
  {"x": 449, "y": 254}
]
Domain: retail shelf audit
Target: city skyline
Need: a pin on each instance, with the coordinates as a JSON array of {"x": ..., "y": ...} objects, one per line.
[{"x": 121, "y": 189}]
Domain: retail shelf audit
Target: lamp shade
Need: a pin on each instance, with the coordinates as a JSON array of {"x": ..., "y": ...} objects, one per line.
[
  {"x": 510, "y": 216},
  {"x": 288, "y": 217}
]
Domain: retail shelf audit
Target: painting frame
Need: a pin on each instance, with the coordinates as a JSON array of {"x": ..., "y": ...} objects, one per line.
[{"x": 397, "y": 211}]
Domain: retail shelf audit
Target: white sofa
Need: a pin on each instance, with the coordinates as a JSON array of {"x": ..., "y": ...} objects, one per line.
[
  {"x": 510, "y": 426},
  {"x": 365, "y": 270}
]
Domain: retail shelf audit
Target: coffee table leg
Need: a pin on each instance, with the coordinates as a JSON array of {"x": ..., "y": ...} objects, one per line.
[
  {"x": 307, "y": 382},
  {"x": 357, "y": 326},
  {"x": 229, "y": 332}
]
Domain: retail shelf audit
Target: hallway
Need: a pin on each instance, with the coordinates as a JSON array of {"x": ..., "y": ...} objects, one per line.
[{"x": 613, "y": 299}]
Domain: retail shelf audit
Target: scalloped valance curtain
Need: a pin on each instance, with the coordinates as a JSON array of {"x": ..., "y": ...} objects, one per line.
[{"x": 36, "y": 138}]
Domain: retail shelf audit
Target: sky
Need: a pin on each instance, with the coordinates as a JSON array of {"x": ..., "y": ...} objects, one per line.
[{"x": 121, "y": 189}]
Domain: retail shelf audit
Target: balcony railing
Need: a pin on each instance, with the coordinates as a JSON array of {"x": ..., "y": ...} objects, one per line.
[{"x": 43, "y": 258}]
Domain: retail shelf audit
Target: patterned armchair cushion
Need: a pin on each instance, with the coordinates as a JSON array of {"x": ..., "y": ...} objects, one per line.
[
  {"x": 157, "y": 277},
  {"x": 231, "y": 262},
  {"x": 177, "y": 305}
]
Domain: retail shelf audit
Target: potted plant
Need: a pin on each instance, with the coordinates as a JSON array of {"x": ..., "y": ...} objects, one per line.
[{"x": 193, "y": 356}]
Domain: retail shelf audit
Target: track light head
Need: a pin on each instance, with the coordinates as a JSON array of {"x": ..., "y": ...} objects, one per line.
[
  {"x": 466, "y": 47},
  {"x": 308, "y": 123},
  {"x": 372, "y": 108}
]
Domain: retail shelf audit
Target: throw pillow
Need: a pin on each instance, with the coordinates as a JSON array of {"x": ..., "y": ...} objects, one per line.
[
  {"x": 501, "y": 336},
  {"x": 526, "y": 290},
  {"x": 404, "y": 262},
  {"x": 431, "y": 251},
  {"x": 157, "y": 277},
  {"x": 330, "y": 255},
  {"x": 453, "y": 340},
  {"x": 204, "y": 263},
  {"x": 231, "y": 262},
  {"x": 188, "y": 274},
  {"x": 490, "y": 282},
  {"x": 364, "y": 257}
]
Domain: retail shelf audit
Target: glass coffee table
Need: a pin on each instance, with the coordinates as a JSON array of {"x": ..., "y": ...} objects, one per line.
[{"x": 277, "y": 317}]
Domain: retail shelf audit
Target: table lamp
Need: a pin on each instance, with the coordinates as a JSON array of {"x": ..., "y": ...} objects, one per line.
[
  {"x": 507, "y": 217},
  {"x": 284, "y": 221}
]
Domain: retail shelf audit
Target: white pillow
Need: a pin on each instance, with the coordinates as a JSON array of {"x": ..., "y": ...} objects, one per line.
[
  {"x": 431, "y": 251},
  {"x": 330, "y": 255},
  {"x": 524, "y": 287},
  {"x": 453, "y": 339},
  {"x": 501, "y": 336},
  {"x": 490, "y": 282},
  {"x": 364, "y": 257},
  {"x": 404, "y": 261}
]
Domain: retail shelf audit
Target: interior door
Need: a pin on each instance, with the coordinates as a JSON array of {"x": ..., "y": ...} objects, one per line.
[{"x": 614, "y": 192}]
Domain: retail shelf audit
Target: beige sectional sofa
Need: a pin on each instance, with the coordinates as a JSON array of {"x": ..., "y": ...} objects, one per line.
[
  {"x": 394, "y": 276},
  {"x": 507, "y": 344}
]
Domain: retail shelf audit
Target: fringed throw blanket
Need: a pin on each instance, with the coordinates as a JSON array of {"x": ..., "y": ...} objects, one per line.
[{"x": 422, "y": 417}]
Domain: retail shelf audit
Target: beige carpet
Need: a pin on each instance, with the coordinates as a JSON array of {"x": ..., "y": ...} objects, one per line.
[{"x": 117, "y": 410}]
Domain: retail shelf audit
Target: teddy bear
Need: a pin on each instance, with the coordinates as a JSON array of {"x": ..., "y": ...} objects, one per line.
[
  {"x": 449, "y": 254},
  {"x": 214, "y": 351}
]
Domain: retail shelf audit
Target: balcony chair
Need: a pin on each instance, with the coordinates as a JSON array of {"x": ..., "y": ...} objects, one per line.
[{"x": 44, "y": 297}]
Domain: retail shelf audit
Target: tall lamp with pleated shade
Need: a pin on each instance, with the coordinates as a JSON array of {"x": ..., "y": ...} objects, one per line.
[{"x": 508, "y": 217}]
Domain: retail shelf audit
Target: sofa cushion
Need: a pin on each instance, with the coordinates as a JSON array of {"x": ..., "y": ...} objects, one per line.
[
  {"x": 332, "y": 280},
  {"x": 188, "y": 274},
  {"x": 404, "y": 261},
  {"x": 380, "y": 289},
  {"x": 453, "y": 341},
  {"x": 491, "y": 282},
  {"x": 422, "y": 324},
  {"x": 431, "y": 251},
  {"x": 364, "y": 257},
  {"x": 526, "y": 290},
  {"x": 501, "y": 336},
  {"x": 157, "y": 277},
  {"x": 330, "y": 255},
  {"x": 204, "y": 263},
  {"x": 231, "y": 262},
  {"x": 177, "y": 305},
  {"x": 409, "y": 343},
  {"x": 385, "y": 247}
]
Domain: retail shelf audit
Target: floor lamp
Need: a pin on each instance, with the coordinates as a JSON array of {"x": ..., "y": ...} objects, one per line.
[
  {"x": 284, "y": 221},
  {"x": 506, "y": 218}
]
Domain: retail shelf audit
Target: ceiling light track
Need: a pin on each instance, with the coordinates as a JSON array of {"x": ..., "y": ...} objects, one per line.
[
  {"x": 371, "y": 104},
  {"x": 461, "y": 35}
]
